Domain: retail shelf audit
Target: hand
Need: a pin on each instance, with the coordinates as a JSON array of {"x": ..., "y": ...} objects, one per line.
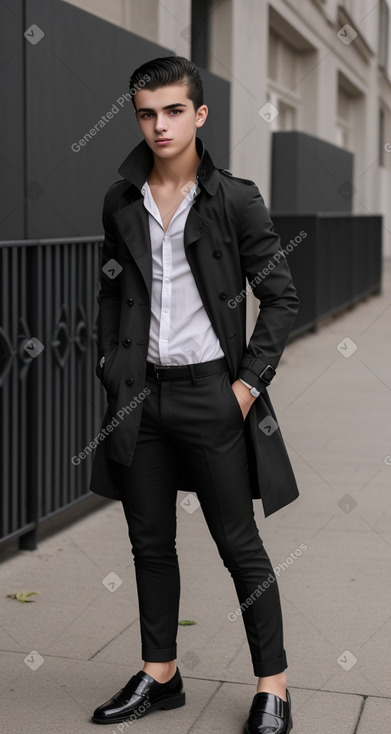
[{"x": 244, "y": 397}]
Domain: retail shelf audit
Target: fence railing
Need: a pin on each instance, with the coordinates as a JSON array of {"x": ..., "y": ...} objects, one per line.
[{"x": 52, "y": 404}]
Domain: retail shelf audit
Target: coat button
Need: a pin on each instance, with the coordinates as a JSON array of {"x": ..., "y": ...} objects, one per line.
[
  {"x": 130, "y": 302},
  {"x": 129, "y": 381},
  {"x": 127, "y": 257},
  {"x": 223, "y": 295},
  {"x": 217, "y": 254},
  {"x": 127, "y": 342}
]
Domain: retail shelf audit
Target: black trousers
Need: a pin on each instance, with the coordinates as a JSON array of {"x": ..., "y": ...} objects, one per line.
[{"x": 200, "y": 420}]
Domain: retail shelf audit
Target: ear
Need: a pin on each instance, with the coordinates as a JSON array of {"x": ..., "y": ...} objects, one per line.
[{"x": 201, "y": 115}]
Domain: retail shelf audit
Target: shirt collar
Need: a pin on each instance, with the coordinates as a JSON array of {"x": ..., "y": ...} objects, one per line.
[{"x": 138, "y": 164}]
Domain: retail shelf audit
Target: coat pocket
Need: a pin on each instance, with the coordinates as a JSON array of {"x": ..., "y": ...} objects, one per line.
[{"x": 104, "y": 371}]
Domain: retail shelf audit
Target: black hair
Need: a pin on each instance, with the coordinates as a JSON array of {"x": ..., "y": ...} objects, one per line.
[{"x": 168, "y": 70}]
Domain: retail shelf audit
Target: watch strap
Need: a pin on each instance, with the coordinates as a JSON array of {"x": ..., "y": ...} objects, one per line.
[{"x": 253, "y": 390}]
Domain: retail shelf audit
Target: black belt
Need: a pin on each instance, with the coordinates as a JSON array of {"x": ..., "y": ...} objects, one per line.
[{"x": 186, "y": 371}]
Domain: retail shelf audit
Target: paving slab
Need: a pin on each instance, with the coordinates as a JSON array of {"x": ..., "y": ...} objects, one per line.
[
  {"x": 376, "y": 716},
  {"x": 228, "y": 709},
  {"x": 75, "y": 614},
  {"x": 60, "y": 696}
]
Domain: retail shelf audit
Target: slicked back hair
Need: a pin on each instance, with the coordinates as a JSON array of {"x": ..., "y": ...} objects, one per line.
[{"x": 167, "y": 70}]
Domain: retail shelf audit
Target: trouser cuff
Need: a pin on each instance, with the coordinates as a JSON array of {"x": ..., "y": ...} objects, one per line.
[
  {"x": 270, "y": 668},
  {"x": 159, "y": 656}
]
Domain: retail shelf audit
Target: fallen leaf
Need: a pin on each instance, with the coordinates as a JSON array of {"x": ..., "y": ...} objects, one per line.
[
  {"x": 185, "y": 622},
  {"x": 23, "y": 596}
]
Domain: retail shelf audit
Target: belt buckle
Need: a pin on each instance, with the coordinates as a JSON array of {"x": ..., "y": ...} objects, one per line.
[{"x": 158, "y": 367}]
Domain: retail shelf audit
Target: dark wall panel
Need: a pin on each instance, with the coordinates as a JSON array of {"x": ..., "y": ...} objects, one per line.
[
  {"x": 310, "y": 175},
  {"x": 11, "y": 120},
  {"x": 76, "y": 74}
]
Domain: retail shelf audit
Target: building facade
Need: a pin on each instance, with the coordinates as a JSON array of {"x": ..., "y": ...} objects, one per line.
[{"x": 324, "y": 66}]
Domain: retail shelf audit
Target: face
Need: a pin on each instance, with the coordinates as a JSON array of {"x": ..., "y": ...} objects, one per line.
[{"x": 167, "y": 112}]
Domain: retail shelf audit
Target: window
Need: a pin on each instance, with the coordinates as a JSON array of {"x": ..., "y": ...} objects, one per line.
[
  {"x": 287, "y": 116},
  {"x": 344, "y": 119},
  {"x": 384, "y": 20},
  {"x": 382, "y": 136},
  {"x": 282, "y": 77}
]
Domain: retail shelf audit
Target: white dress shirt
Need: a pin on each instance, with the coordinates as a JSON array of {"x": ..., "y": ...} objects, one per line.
[{"x": 180, "y": 330}]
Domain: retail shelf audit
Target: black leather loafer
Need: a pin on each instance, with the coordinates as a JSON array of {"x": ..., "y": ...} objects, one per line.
[
  {"x": 141, "y": 695},
  {"x": 269, "y": 714}
]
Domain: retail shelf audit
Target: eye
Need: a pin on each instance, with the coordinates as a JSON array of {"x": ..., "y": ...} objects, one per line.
[{"x": 147, "y": 115}]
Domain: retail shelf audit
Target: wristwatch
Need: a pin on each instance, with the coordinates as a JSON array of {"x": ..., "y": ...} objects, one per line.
[
  {"x": 266, "y": 376},
  {"x": 253, "y": 390}
]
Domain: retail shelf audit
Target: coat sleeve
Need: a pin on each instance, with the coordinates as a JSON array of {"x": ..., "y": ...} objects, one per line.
[
  {"x": 269, "y": 277},
  {"x": 109, "y": 293}
]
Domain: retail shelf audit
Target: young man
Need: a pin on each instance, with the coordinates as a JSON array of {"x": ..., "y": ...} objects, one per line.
[{"x": 186, "y": 395}]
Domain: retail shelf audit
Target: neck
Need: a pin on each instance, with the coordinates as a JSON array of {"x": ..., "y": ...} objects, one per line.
[{"x": 177, "y": 170}]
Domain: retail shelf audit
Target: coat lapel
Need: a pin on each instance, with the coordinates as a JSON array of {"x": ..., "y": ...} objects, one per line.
[{"x": 132, "y": 222}]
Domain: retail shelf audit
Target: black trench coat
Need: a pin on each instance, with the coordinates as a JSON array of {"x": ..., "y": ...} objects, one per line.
[{"x": 228, "y": 236}]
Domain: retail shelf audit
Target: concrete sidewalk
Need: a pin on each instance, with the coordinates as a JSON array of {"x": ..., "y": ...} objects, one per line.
[{"x": 334, "y": 406}]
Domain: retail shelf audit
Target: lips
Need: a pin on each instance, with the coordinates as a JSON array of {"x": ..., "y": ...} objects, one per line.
[{"x": 163, "y": 140}]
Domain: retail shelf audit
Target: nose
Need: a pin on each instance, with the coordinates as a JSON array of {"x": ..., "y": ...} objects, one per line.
[{"x": 160, "y": 124}]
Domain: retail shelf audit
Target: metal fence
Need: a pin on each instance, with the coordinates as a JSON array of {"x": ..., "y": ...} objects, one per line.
[
  {"x": 52, "y": 403},
  {"x": 50, "y": 399}
]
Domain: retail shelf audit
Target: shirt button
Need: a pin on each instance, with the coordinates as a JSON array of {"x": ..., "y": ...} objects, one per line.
[
  {"x": 223, "y": 295},
  {"x": 217, "y": 254},
  {"x": 127, "y": 342},
  {"x": 129, "y": 381},
  {"x": 130, "y": 302}
]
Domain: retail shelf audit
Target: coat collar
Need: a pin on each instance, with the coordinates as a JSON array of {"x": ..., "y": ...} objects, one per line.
[{"x": 138, "y": 164}]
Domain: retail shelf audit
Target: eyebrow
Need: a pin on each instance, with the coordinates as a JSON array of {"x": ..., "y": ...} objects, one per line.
[{"x": 167, "y": 107}]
